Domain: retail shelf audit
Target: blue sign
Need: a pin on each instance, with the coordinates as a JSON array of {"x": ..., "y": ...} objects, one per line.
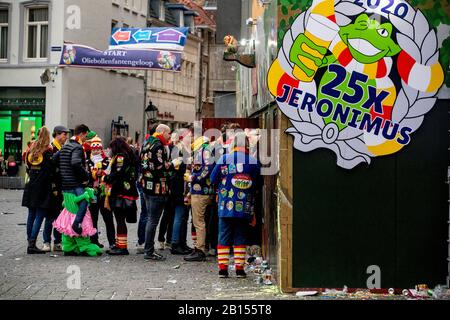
[
  {"x": 149, "y": 38},
  {"x": 76, "y": 55}
]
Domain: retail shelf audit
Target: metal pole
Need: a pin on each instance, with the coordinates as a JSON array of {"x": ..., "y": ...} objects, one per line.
[{"x": 144, "y": 117}]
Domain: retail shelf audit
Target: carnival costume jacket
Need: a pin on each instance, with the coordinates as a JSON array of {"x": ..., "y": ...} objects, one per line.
[{"x": 237, "y": 176}]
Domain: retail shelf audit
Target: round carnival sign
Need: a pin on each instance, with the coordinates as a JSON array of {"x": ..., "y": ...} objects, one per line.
[{"x": 356, "y": 77}]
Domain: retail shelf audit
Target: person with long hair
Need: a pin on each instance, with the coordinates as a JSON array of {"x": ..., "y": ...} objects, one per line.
[
  {"x": 121, "y": 177},
  {"x": 37, "y": 195}
]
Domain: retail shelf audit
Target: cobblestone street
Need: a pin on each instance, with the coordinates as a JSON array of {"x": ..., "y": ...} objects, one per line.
[{"x": 121, "y": 277}]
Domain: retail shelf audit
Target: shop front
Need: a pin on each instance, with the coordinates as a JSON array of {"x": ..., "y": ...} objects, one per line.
[{"x": 22, "y": 114}]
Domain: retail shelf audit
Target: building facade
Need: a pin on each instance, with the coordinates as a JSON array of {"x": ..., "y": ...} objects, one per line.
[
  {"x": 32, "y": 38},
  {"x": 176, "y": 95}
]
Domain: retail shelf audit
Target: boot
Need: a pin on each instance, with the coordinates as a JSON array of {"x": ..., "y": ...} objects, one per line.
[
  {"x": 197, "y": 255},
  {"x": 32, "y": 249},
  {"x": 178, "y": 249},
  {"x": 118, "y": 252}
]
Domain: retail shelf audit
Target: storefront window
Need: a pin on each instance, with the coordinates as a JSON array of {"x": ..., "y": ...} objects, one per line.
[{"x": 22, "y": 111}]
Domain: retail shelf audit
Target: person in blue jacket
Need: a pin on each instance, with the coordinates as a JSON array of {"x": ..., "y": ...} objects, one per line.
[{"x": 237, "y": 176}]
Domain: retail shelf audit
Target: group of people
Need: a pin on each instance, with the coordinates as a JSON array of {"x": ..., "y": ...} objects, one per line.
[{"x": 174, "y": 175}]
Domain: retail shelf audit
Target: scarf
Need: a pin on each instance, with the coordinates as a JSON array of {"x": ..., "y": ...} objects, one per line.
[
  {"x": 57, "y": 144},
  {"x": 160, "y": 136}
]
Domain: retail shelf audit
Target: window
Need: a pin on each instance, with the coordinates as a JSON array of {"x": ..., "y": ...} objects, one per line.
[
  {"x": 124, "y": 25},
  {"x": 126, "y": 4},
  {"x": 144, "y": 7},
  {"x": 116, "y": 2},
  {"x": 136, "y": 5},
  {"x": 36, "y": 33},
  {"x": 181, "y": 19},
  {"x": 4, "y": 19},
  {"x": 113, "y": 24},
  {"x": 162, "y": 11}
]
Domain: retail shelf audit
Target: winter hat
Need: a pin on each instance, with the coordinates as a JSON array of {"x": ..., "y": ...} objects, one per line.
[{"x": 96, "y": 143}]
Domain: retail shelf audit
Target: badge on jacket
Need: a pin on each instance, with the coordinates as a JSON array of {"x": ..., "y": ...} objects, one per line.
[
  {"x": 239, "y": 206},
  {"x": 242, "y": 181},
  {"x": 224, "y": 170}
]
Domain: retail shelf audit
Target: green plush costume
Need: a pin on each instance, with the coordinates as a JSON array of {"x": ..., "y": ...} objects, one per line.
[{"x": 78, "y": 245}]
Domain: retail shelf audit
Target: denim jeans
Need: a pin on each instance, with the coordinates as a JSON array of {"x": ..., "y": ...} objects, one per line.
[
  {"x": 47, "y": 234},
  {"x": 82, "y": 205},
  {"x": 233, "y": 231},
  {"x": 180, "y": 225},
  {"x": 143, "y": 217},
  {"x": 34, "y": 222},
  {"x": 166, "y": 224},
  {"x": 155, "y": 207}
]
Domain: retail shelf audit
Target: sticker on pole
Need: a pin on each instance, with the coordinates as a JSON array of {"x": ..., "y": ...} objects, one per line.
[{"x": 356, "y": 77}]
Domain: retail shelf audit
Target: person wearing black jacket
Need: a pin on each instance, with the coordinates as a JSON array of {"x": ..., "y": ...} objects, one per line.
[
  {"x": 180, "y": 155},
  {"x": 59, "y": 139},
  {"x": 122, "y": 176},
  {"x": 74, "y": 175},
  {"x": 37, "y": 194},
  {"x": 156, "y": 170}
]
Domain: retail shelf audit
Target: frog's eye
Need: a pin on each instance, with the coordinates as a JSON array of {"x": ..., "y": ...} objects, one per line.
[{"x": 383, "y": 32}]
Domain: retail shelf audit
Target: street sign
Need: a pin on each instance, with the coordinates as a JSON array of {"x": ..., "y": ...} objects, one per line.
[
  {"x": 77, "y": 55},
  {"x": 149, "y": 38}
]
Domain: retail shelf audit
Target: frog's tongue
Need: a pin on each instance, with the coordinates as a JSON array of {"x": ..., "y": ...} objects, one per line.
[{"x": 364, "y": 47}]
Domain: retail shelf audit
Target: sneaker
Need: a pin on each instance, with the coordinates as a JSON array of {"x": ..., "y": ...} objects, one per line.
[
  {"x": 167, "y": 245},
  {"x": 223, "y": 273},
  {"x": 118, "y": 252},
  {"x": 188, "y": 249},
  {"x": 240, "y": 273},
  {"x": 46, "y": 247},
  {"x": 212, "y": 253},
  {"x": 154, "y": 256},
  {"x": 139, "y": 248},
  {"x": 57, "y": 247},
  {"x": 161, "y": 245},
  {"x": 178, "y": 249},
  {"x": 197, "y": 255}
]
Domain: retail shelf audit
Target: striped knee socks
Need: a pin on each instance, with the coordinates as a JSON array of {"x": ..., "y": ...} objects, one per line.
[
  {"x": 121, "y": 241},
  {"x": 239, "y": 256},
  {"x": 223, "y": 257}
]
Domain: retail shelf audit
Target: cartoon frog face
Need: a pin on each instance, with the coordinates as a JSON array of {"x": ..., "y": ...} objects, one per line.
[{"x": 368, "y": 40}]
